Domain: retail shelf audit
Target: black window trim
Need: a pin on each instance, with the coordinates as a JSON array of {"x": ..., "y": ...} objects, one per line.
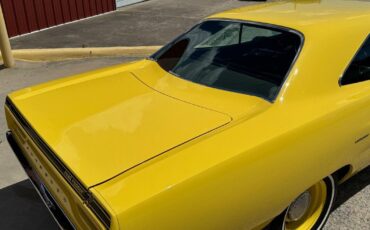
[
  {"x": 350, "y": 63},
  {"x": 258, "y": 24}
]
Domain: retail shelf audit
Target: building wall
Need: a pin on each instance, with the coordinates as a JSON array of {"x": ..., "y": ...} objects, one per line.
[{"x": 25, "y": 16}]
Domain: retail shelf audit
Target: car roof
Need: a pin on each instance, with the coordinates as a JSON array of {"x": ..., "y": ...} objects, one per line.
[
  {"x": 305, "y": 15},
  {"x": 333, "y": 31}
]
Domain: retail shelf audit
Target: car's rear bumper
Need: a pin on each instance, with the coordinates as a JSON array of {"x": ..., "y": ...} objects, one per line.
[{"x": 46, "y": 197}]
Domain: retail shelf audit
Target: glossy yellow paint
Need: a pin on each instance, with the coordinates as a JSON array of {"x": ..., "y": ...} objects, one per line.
[
  {"x": 122, "y": 123},
  {"x": 176, "y": 155}
]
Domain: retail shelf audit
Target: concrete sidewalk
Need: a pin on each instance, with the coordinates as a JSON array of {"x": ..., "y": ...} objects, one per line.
[{"x": 154, "y": 22}]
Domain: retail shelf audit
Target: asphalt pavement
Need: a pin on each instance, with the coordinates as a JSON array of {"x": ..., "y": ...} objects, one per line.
[{"x": 153, "y": 22}]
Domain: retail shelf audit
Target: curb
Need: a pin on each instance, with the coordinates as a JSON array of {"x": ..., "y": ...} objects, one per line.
[{"x": 59, "y": 54}]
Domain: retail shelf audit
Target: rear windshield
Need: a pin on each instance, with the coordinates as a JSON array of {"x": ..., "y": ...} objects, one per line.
[{"x": 233, "y": 56}]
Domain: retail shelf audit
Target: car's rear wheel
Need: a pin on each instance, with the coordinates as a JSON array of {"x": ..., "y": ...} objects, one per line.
[{"x": 310, "y": 210}]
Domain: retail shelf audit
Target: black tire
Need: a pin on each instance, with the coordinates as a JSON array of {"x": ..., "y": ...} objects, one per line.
[{"x": 331, "y": 187}]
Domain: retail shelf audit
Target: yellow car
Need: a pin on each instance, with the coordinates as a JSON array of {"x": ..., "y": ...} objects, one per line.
[{"x": 247, "y": 121}]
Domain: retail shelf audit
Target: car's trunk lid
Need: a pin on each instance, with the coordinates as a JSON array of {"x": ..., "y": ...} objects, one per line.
[{"x": 103, "y": 124}]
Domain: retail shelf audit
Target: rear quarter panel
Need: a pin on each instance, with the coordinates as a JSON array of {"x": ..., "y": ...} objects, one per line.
[{"x": 245, "y": 174}]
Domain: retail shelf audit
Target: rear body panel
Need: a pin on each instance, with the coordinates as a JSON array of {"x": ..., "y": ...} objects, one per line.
[{"x": 73, "y": 207}]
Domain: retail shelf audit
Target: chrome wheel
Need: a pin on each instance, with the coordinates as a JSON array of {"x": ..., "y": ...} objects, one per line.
[
  {"x": 306, "y": 210},
  {"x": 310, "y": 210},
  {"x": 299, "y": 207}
]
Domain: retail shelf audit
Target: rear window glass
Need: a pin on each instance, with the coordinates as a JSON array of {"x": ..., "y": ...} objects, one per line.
[{"x": 233, "y": 56}]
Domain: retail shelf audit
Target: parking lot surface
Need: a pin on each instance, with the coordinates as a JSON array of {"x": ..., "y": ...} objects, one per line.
[{"x": 153, "y": 22}]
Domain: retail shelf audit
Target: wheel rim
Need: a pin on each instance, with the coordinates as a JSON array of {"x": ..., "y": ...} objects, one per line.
[{"x": 306, "y": 210}]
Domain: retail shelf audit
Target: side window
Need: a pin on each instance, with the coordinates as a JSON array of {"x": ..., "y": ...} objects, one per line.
[{"x": 359, "y": 69}]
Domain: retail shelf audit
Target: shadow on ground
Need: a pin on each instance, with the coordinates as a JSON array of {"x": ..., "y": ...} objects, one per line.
[
  {"x": 21, "y": 208},
  {"x": 354, "y": 185}
]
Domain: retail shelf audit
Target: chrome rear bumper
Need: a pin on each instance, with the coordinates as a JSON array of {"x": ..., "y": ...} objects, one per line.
[{"x": 46, "y": 197}]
